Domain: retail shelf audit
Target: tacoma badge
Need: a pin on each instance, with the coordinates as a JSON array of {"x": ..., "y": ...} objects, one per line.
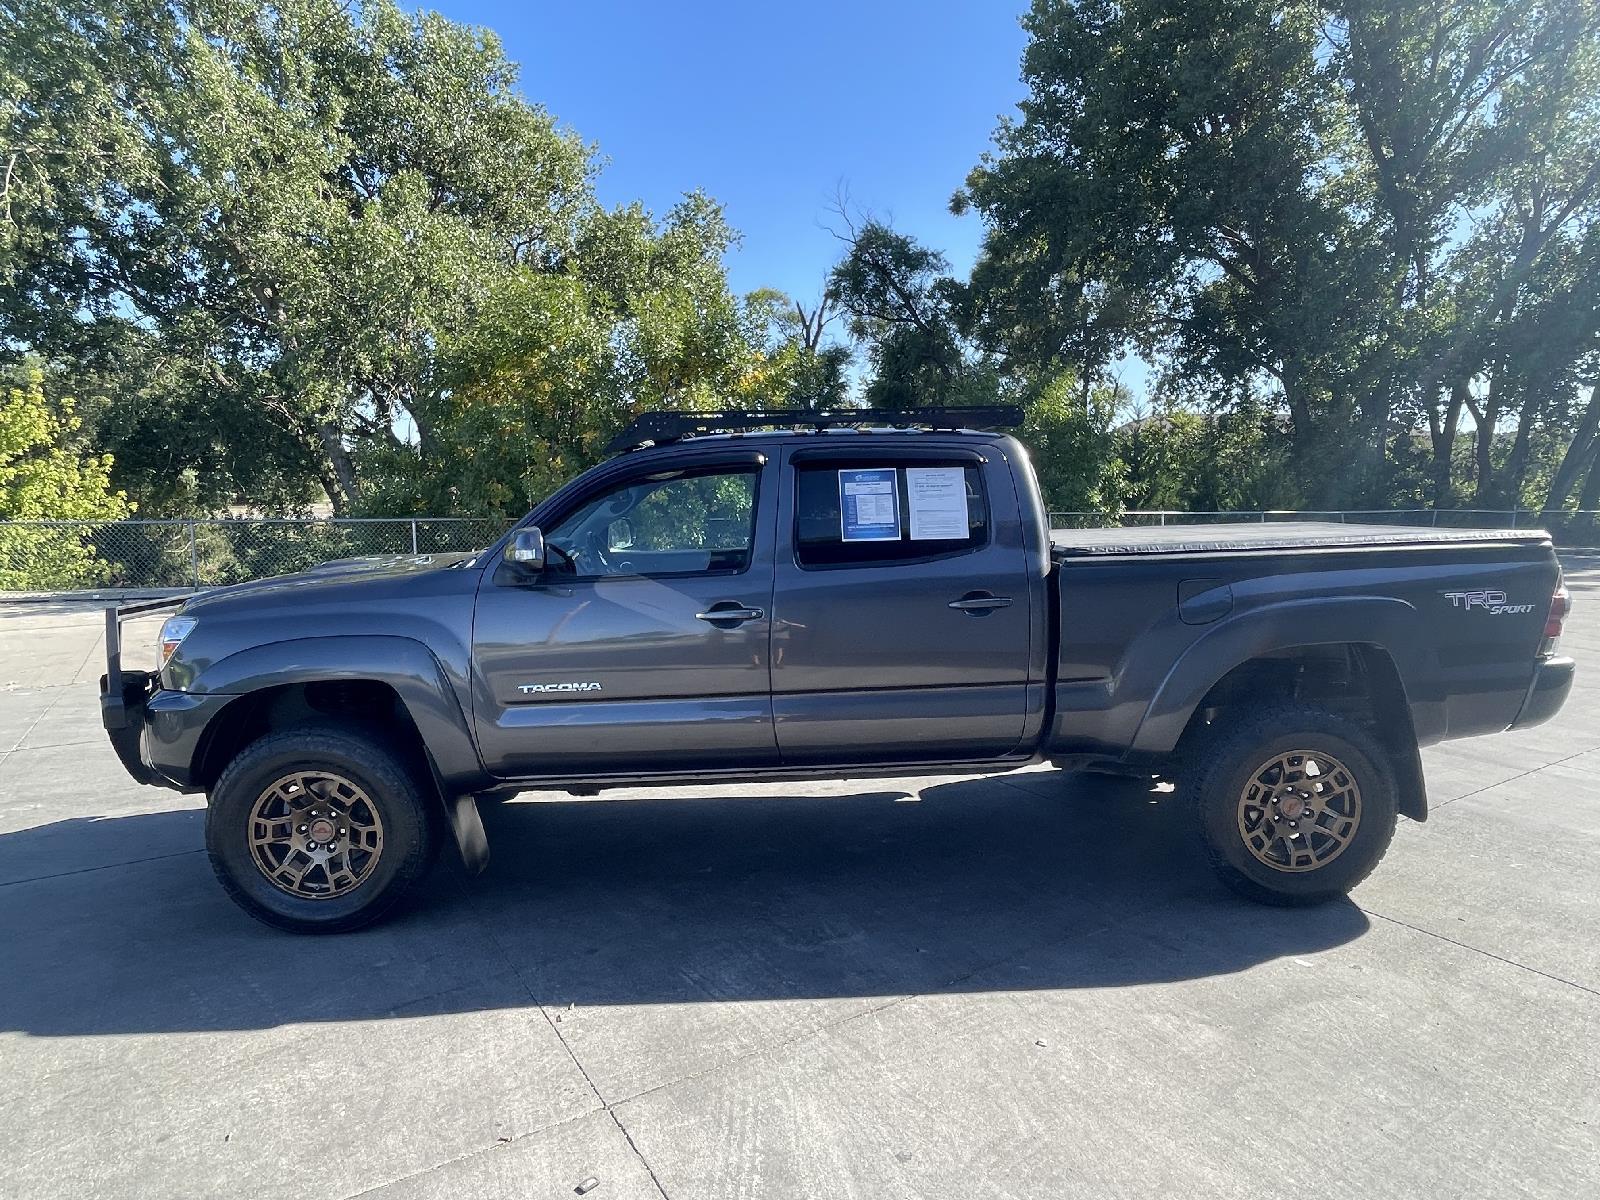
[{"x": 529, "y": 689}]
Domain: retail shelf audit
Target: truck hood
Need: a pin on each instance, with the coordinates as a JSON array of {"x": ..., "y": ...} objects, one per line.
[{"x": 378, "y": 573}]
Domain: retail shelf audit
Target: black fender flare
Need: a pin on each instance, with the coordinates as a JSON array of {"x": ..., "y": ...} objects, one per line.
[
  {"x": 404, "y": 664},
  {"x": 1387, "y": 624}
]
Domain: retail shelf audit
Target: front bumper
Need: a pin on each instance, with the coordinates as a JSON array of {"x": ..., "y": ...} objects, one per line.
[
  {"x": 157, "y": 734},
  {"x": 123, "y": 711},
  {"x": 1552, "y": 680},
  {"x": 132, "y": 706}
]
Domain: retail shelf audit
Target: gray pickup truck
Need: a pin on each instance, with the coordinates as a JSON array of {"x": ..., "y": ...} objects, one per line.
[{"x": 744, "y": 596}]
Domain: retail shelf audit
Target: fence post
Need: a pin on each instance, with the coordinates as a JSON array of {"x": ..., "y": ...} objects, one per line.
[
  {"x": 413, "y": 535},
  {"x": 1435, "y": 521},
  {"x": 194, "y": 557},
  {"x": 1513, "y": 518},
  {"x": 1163, "y": 517}
]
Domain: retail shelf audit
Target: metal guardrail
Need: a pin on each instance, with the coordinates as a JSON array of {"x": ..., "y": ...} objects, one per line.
[{"x": 70, "y": 555}]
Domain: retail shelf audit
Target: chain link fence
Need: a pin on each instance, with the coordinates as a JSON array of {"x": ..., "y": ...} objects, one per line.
[
  {"x": 81, "y": 555},
  {"x": 74, "y": 555}
]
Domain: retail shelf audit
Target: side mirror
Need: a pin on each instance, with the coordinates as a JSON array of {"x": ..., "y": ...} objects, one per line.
[
  {"x": 527, "y": 549},
  {"x": 619, "y": 534}
]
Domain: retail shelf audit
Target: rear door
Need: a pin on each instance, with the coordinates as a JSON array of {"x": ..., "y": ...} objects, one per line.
[
  {"x": 901, "y": 620},
  {"x": 643, "y": 646}
]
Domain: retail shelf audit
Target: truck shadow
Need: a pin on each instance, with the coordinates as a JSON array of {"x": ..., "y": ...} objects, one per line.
[{"x": 992, "y": 884}]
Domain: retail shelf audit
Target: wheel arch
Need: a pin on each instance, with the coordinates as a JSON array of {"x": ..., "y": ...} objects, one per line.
[
  {"x": 391, "y": 683},
  {"x": 1375, "y": 636}
]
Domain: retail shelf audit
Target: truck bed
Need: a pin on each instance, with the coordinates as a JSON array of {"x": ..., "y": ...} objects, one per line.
[{"x": 1270, "y": 536}]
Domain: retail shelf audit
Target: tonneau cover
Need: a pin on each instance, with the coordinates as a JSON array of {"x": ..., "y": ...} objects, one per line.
[{"x": 1255, "y": 536}]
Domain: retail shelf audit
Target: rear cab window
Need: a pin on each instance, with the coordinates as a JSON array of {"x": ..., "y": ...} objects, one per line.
[{"x": 862, "y": 513}]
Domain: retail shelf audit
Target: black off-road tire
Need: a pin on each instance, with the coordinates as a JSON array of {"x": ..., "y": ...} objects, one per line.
[
  {"x": 403, "y": 800},
  {"x": 1223, "y": 765}
]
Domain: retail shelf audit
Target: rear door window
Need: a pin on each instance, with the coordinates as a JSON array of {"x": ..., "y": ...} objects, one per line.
[{"x": 843, "y": 514}]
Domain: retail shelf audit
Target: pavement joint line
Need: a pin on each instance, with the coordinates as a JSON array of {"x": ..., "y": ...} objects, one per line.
[
  {"x": 827, "y": 1026},
  {"x": 804, "y": 1035},
  {"x": 48, "y": 709},
  {"x": 471, "y": 1154},
  {"x": 1520, "y": 775},
  {"x": 1428, "y": 932},
  {"x": 773, "y": 1047},
  {"x": 132, "y": 862},
  {"x": 98, "y": 642},
  {"x": 1510, "y": 962},
  {"x": 516, "y": 972},
  {"x": 891, "y": 1002},
  {"x": 52, "y": 746}
]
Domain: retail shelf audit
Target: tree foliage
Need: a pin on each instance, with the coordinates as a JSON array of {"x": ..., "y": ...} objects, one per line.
[
  {"x": 43, "y": 477},
  {"x": 1381, "y": 211},
  {"x": 324, "y": 251},
  {"x": 278, "y": 240}
]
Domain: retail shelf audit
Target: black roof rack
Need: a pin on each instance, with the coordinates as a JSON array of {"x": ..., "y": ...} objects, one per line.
[{"x": 662, "y": 427}]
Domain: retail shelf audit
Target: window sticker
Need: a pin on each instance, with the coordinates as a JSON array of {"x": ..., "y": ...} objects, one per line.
[
  {"x": 937, "y": 498},
  {"x": 869, "y": 505}
]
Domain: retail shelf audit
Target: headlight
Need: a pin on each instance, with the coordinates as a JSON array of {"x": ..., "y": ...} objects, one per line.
[{"x": 173, "y": 631}]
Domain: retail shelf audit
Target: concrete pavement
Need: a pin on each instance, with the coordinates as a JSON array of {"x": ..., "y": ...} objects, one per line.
[{"x": 1024, "y": 985}]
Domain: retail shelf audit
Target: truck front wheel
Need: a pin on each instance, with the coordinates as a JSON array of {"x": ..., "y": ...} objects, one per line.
[
  {"x": 318, "y": 830},
  {"x": 1296, "y": 806}
]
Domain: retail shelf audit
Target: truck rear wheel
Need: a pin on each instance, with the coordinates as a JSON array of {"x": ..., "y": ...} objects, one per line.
[
  {"x": 1295, "y": 806},
  {"x": 318, "y": 830}
]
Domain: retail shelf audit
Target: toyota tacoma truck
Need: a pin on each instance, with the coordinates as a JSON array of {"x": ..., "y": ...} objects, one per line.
[{"x": 746, "y": 596}]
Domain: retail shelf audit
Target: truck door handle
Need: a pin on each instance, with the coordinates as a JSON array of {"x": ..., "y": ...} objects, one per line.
[
  {"x": 730, "y": 614},
  {"x": 979, "y": 603}
]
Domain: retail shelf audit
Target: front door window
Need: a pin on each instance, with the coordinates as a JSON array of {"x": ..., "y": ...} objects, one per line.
[{"x": 670, "y": 523}]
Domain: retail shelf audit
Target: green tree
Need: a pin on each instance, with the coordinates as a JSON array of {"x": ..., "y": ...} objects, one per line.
[
  {"x": 323, "y": 248},
  {"x": 1361, "y": 209},
  {"x": 911, "y": 318},
  {"x": 902, "y": 305},
  {"x": 1069, "y": 437},
  {"x": 808, "y": 371},
  {"x": 43, "y": 479},
  {"x": 551, "y": 364},
  {"x": 1231, "y": 457},
  {"x": 264, "y": 220}
]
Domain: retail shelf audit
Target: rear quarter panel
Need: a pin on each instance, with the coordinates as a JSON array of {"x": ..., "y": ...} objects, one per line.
[{"x": 1462, "y": 624}]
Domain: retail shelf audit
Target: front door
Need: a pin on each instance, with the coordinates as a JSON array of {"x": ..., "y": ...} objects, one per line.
[
  {"x": 901, "y": 622},
  {"x": 643, "y": 645}
]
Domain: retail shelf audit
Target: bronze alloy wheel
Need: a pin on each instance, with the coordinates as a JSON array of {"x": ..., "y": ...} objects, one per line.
[
  {"x": 1299, "y": 811},
  {"x": 315, "y": 835}
]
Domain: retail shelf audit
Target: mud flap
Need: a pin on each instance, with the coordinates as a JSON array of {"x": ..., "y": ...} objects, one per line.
[
  {"x": 1411, "y": 785},
  {"x": 467, "y": 826}
]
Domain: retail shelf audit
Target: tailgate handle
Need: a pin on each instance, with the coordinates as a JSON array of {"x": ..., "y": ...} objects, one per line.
[{"x": 979, "y": 603}]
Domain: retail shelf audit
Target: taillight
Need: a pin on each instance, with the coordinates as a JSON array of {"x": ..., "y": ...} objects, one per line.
[{"x": 1560, "y": 606}]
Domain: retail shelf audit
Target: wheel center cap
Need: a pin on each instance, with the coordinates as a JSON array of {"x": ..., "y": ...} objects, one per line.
[
  {"x": 1292, "y": 807},
  {"x": 322, "y": 830}
]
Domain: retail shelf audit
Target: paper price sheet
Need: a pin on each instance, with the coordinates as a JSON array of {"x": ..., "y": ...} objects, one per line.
[
  {"x": 869, "y": 505},
  {"x": 937, "y": 497}
]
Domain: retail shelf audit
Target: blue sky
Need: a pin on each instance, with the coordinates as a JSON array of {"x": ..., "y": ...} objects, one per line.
[{"x": 772, "y": 108}]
